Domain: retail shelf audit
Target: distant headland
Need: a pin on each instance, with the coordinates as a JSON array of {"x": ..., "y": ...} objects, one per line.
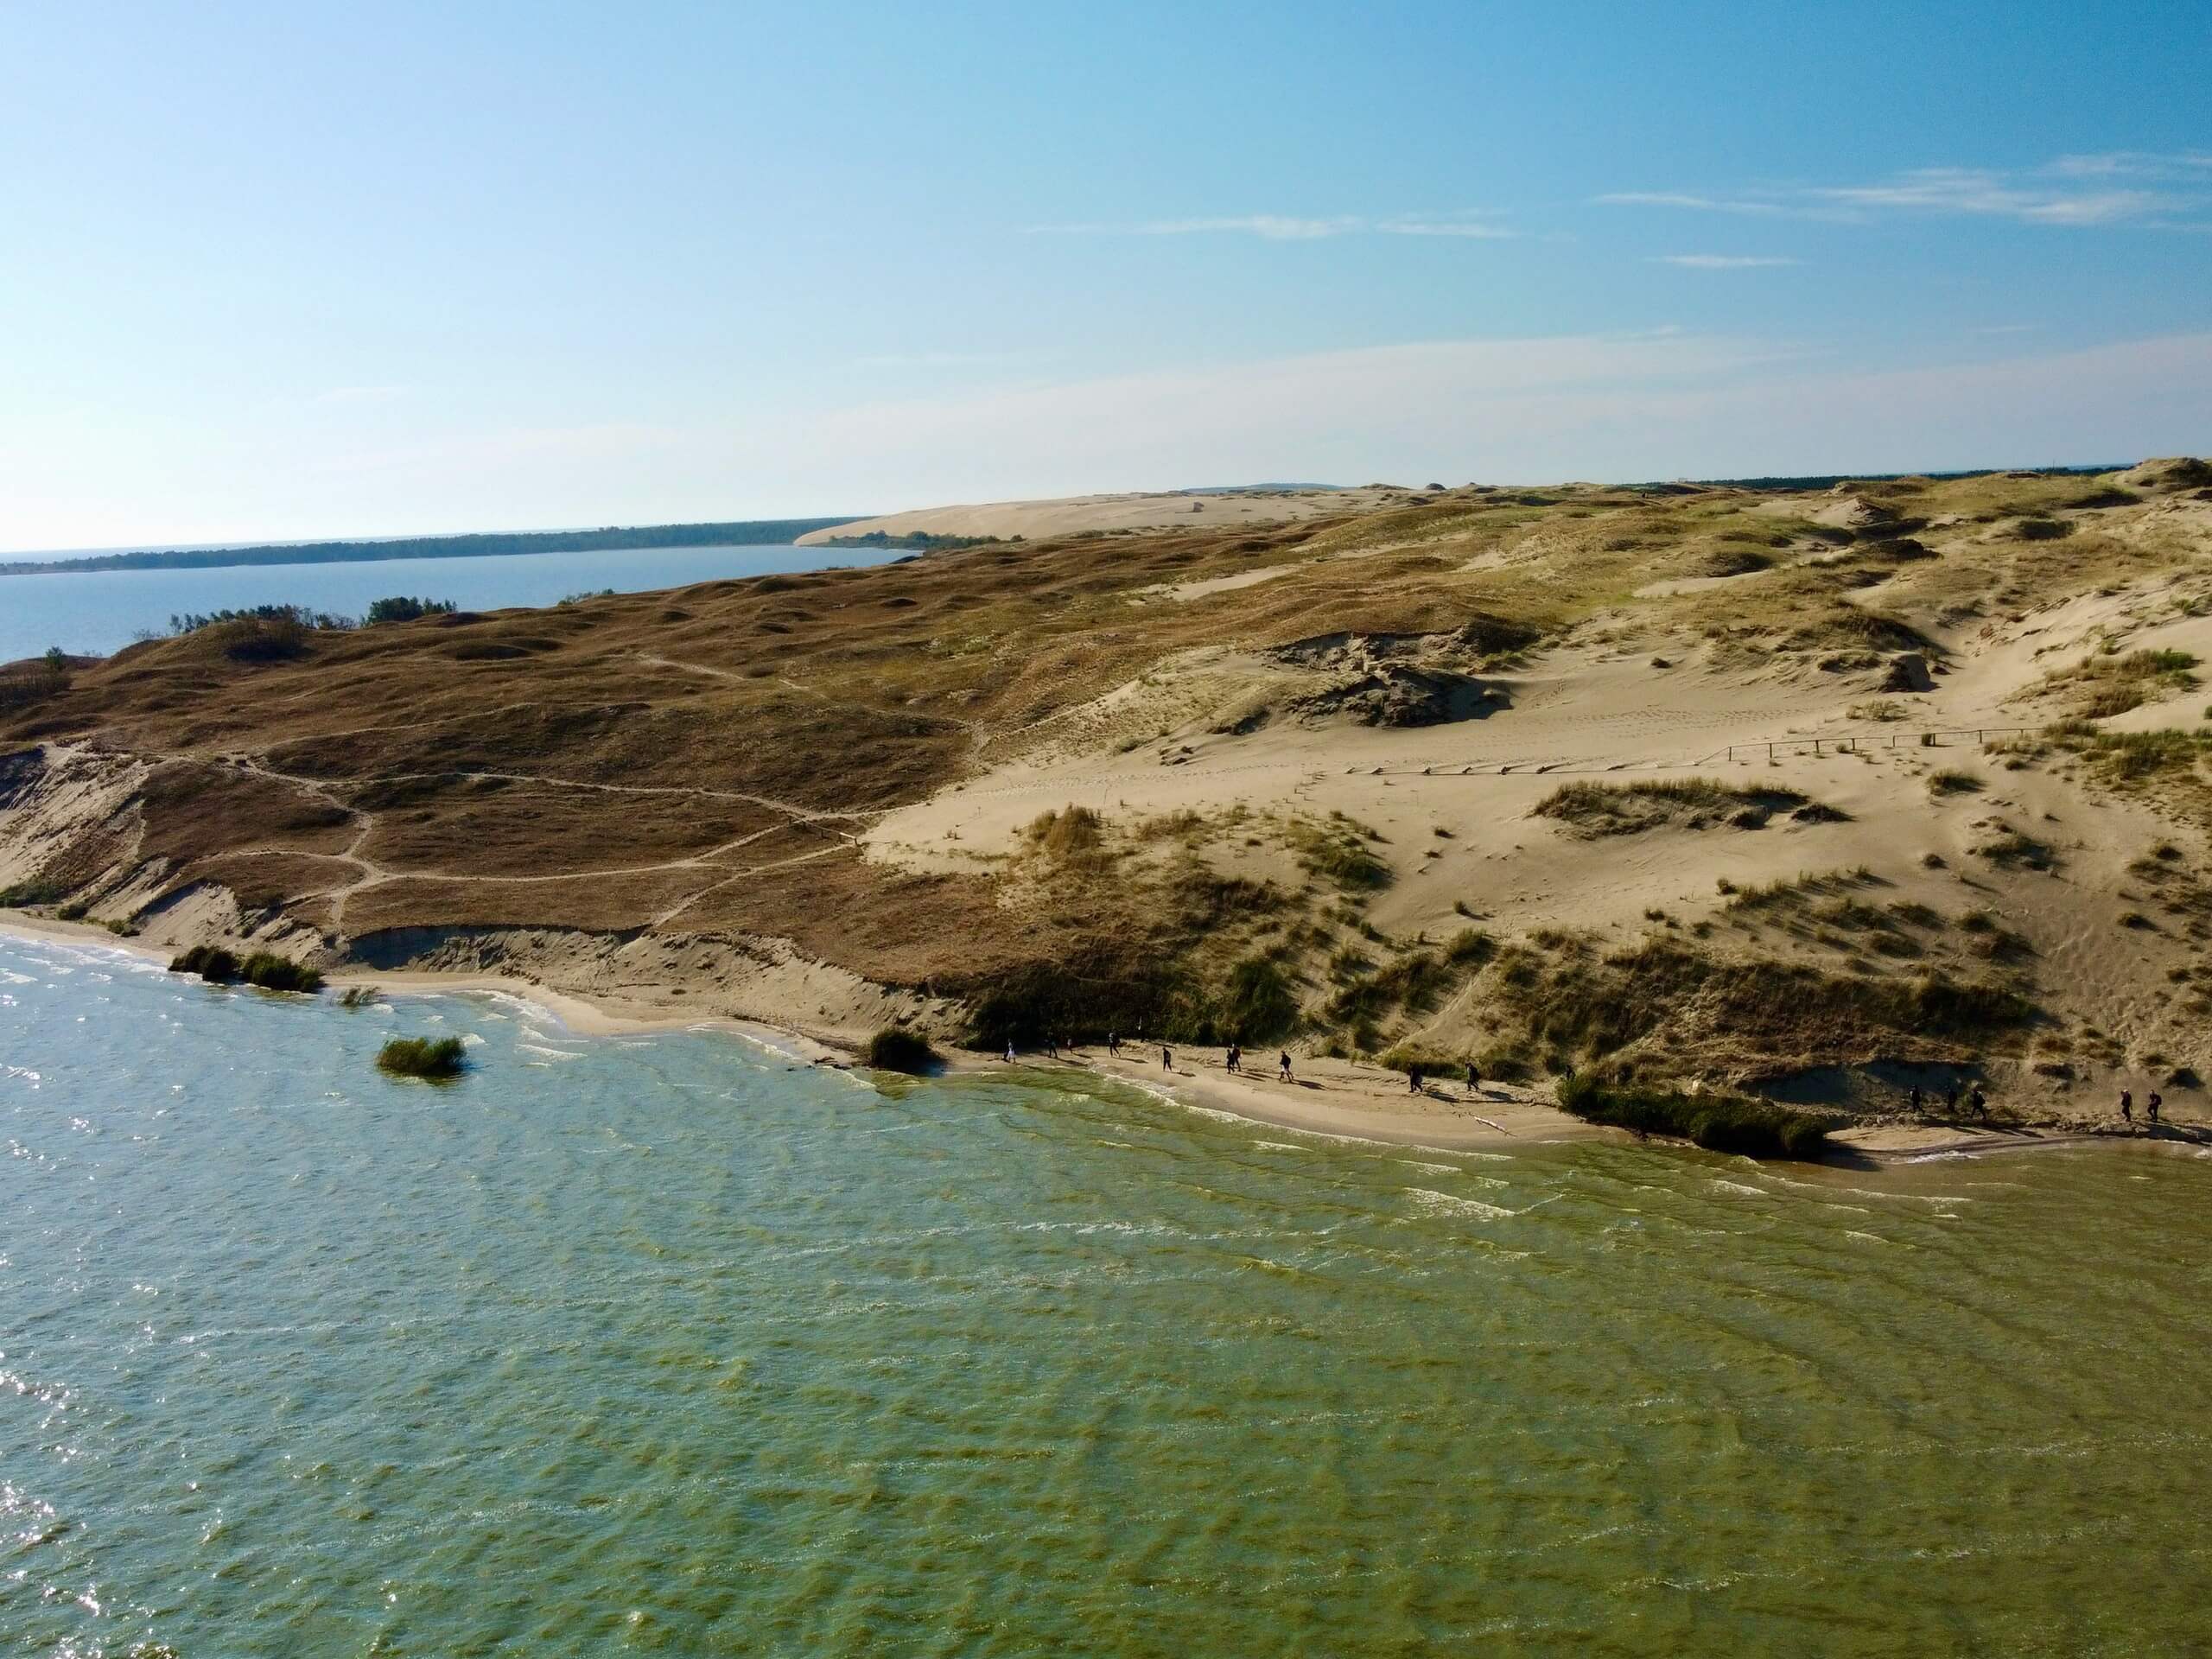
[{"x": 746, "y": 532}]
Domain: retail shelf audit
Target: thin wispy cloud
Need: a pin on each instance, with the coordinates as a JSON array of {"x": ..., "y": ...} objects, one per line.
[
  {"x": 2122, "y": 187},
  {"x": 2136, "y": 163},
  {"x": 1696, "y": 203},
  {"x": 1722, "y": 261},
  {"x": 1282, "y": 227}
]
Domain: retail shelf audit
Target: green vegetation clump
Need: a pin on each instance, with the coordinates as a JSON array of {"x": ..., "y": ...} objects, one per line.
[
  {"x": 271, "y": 972},
  {"x": 401, "y": 608},
  {"x": 38, "y": 890},
  {"x": 359, "y": 996},
  {"x": 210, "y": 962},
  {"x": 2112, "y": 685},
  {"x": 1594, "y": 809},
  {"x": 1950, "y": 782},
  {"x": 264, "y": 970},
  {"x": 435, "y": 1059},
  {"x": 896, "y": 1049},
  {"x": 1755, "y": 1129}
]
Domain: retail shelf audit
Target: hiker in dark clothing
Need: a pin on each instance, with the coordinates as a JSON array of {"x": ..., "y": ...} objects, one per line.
[
  {"x": 1413, "y": 1078},
  {"x": 1051, "y": 1048},
  {"x": 1166, "y": 1059},
  {"x": 2126, "y": 1106},
  {"x": 1235, "y": 1062},
  {"x": 1917, "y": 1103},
  {"x": 1286, "y": 1065},
  {"x": 1113, "y": 1045},
  {"x": 1474, "y": 1076},
  {"x": 2151, "y": 1108},
  {"x": 1951, "y": 1101},
  {"x": 1981, "y": 1101}
]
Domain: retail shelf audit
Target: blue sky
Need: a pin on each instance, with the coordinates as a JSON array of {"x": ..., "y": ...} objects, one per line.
[{"x": 305, "y": 269}]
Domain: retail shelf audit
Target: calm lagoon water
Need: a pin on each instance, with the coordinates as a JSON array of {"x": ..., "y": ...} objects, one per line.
[
  {"x": 101, "y": 611},
  {"x": 661, "y": 1346}
]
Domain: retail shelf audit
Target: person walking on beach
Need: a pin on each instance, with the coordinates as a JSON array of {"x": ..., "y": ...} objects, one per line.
[
  {"x": 1412, "y": 1079},
  {"x": 1113, "y": 1045},
  {"x": 1009, "y": 1050},
  {"x": 1980, "y": 1102},
  {"x": 1166, "y": 1059},
  {"x": 1286, "y": 1065},
  {"x": 1051, "y": 1048},
  {"x": 1474, "y": 1077},
  {"x": 1951, "y": 1101},
  {"x": 2151, "y": 1108},
  {"x": 1915, "y": 1100},
  {"x": 2126, "y": 1106},
  {"x": 1234, "y": 1062}
]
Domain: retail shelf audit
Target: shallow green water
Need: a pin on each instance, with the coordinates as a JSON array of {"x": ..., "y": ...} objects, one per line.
[{"x": 659, "y": 1346}]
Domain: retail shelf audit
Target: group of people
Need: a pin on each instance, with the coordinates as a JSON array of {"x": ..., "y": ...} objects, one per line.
[
  {"x": 2150, "y": 1106},
  {"x": 1977, "y": 1102},
  {"x": 1235, "y": 1062}
]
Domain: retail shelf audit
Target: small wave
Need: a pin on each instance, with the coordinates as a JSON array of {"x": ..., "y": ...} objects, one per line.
[
  {"x": 1451, "y": 1205},
  {"x": 1279, "y": 1146},
  {"x": 1432, "y": 1169},
  {"x": 1726, "y": 1186},
  {"x": 549, "y": 1054}
]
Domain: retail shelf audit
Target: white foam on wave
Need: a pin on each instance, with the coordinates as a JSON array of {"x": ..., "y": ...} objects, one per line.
[
  {"x": 549, "y": 1054},
  {"x": 1726, "y": 1186},
  {"x": 1449, "y": 1205},
  {"x": 1279, "y": 1146}
]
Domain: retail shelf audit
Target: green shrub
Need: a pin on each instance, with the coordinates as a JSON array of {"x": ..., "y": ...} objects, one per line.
[
  {"x": 39, "y": 890},
  {"x": 434, "y": 1058},
  {"x": 895, "y": 1049},
  {"x": 263, "y": 968},
  {"x": 210, "y": 962},
  {"x": 274, "y": 973},
  {"x": 359, "y": 996},
  {"x": 1756, "y": 1129}
]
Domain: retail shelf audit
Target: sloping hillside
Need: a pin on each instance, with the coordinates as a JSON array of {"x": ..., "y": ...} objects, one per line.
[{"x": 1788, "y": 789}]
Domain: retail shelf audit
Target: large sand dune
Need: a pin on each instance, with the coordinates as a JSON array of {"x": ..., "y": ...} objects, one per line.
[{"x": 1821, "y": 795}]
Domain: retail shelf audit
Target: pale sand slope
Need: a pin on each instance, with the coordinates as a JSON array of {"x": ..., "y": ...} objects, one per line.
[
  {"x": 1607, "y": 713},
  {"x": 1162, "y": 510}
]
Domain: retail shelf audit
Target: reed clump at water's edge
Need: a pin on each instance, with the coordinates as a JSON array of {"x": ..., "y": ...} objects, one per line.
[
  {"x": 1756, "y": 1129},
  {"x": 436, "y": 1059}
]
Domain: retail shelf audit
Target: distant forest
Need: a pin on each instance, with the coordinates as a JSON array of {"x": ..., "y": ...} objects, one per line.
[{"x": 747, "y": 532}]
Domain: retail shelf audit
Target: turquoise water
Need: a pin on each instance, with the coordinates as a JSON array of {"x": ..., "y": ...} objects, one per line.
[
  {"x": 661, "y": 1346},
  {"x": 102, "y": 611}
]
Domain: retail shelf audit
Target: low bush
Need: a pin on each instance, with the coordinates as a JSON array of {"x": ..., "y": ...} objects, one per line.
[
  {"x": 263, "y": 968},
  {"x": 274, "y": 973},
  {"x": 1756, "y": 1129},
  {"x": 39, "y": 890},
  {"x": 210, "y": 962},
  {"x": 895, "y": 1049},
  {"x": 436, "y": 1059}
]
